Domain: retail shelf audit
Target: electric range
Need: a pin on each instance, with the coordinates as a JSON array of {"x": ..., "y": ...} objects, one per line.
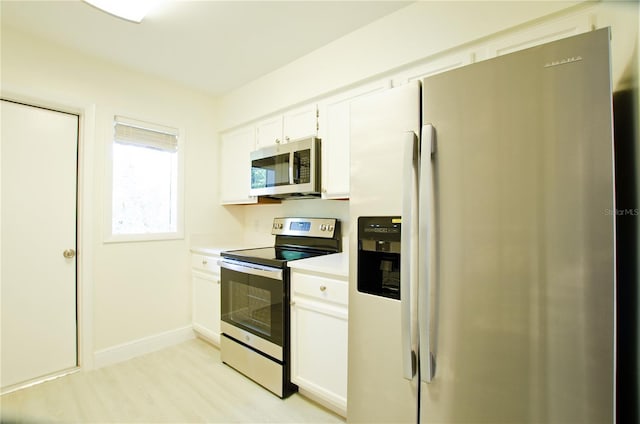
[{"x": 255, "y": 299}]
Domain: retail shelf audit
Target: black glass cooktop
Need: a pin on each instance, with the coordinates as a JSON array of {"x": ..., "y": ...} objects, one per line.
[{"x": 270, "y": 256}]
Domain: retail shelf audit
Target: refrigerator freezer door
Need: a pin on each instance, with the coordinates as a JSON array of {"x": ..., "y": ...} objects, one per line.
[
  {"x": 427, "y": 259},
  {"x": 377, "y": 389},
  {"x": 525, "y": 278},
  {"x": 409, "y": 252}
]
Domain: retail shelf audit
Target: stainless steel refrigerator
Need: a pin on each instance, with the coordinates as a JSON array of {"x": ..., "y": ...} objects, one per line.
[{"x": 482, "y": 246}]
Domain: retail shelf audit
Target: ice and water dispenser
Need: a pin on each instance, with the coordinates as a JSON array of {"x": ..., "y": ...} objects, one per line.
[{"x": 379, "y": 255}]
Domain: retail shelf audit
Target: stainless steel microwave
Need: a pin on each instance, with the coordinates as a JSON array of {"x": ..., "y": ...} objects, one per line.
[{"x": 290, "y": 170}]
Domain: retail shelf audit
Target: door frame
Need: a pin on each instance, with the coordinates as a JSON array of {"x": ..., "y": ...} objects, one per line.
[{"x": 84, "y": 216}]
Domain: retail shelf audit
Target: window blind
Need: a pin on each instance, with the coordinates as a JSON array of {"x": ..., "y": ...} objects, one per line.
[{"x": 142, "y": 134}]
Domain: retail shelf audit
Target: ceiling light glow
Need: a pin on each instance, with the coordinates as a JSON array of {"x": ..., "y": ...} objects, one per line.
[{"x": 131, "y": 10}]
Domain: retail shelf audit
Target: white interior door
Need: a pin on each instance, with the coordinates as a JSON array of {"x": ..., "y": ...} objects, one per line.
[{"x": 38, "y": 224}]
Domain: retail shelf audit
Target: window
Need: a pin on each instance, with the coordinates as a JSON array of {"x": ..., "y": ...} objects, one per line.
[{"x": 145, "y": 182}]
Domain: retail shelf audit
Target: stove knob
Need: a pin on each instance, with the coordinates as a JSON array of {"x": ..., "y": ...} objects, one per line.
[
  {"x": 330, "y": 228},
  {"x": 323, "y": 227}
]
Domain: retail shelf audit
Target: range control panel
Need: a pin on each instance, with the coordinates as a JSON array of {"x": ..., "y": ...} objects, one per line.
[{"x": 306, "y": 227}]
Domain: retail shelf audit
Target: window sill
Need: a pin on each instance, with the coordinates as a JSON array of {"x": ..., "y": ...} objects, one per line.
[{"x": 128, "y": 238}]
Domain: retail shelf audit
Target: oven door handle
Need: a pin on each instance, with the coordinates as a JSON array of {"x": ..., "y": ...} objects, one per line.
[{"x": 253, "y": 269}]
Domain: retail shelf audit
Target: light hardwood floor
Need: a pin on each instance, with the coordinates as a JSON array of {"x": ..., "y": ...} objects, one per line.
[{"x": 186, "y": 383}]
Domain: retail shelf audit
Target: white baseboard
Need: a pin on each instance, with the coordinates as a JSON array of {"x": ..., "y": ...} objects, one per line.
[
  {"x": 207, "y": 334},
  {"x": 332, "y": 403},
  {"x": 142, "y": 346}
]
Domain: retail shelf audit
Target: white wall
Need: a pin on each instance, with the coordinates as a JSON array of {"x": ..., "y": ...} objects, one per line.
[{"x": 137, "y": 290}]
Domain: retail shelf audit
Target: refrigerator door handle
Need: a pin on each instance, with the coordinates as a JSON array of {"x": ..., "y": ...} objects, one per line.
[
  {"x": 408, "y": 277},
  {"x": 426, "y": 243}
]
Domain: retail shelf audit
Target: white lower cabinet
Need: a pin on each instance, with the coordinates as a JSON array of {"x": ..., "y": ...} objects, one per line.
[
  {"x": 319, "y": 335},
  {"x": 205, "y": 280}
]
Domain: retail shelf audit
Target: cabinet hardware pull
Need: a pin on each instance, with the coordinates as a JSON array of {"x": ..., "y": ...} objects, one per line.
[
  {"x": 204, "y": 262},
  {"x": 323, "y": 288},
  {"x": 292, "y": 303}
]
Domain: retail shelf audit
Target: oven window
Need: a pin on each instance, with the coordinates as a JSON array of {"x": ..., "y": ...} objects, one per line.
[
  {"x": 254, "y": 304},
  {"x": 251, "y": 308},
  {"x": 270, "y": 172}
]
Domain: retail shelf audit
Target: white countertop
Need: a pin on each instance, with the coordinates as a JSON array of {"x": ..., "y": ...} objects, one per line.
[
  {"x": 335, "y": 264},
  {"x": 214, "y": 250}
]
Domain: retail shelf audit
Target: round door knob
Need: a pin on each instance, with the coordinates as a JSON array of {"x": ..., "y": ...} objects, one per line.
[{"x": 69, "y": 253}]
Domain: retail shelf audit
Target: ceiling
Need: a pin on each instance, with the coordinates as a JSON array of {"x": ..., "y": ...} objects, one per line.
[{"x": 214, "y": 46}]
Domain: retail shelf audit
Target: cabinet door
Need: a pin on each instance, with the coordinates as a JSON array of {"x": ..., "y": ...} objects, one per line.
[
  {"x": 334, "y": 132},
  {"x": 206, "y": 305},
  {"x": 300, "y": 123},
  {"x": 269, "y": 132},
  {"x": 545, "y": 32},
  {"x": 235, "y": 166},
  {"x": 319, "y": 351},
  {"x": 433, "y": 67},
  {"x": 335, "y": 151}
]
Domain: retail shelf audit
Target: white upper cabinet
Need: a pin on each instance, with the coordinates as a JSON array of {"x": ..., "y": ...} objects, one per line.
[
  {"x": 334, "y": 133},
  {"x": 539, "y": 34},
  {"x": 300, "y": 123},
  {"x": 235, "y": 166},
  {"x": 433, "y": 67},
  {"x": 269, "y": 132},
  {"x": 292, "y": 125}
]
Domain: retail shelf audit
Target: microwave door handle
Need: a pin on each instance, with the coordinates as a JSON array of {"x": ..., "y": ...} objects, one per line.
[
  {"x": 291, "y": 156},
  {"x": 296, "y": 169}
]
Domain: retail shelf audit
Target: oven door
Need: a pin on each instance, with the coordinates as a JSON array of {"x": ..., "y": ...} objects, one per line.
[{"x": 252, "y": 309}]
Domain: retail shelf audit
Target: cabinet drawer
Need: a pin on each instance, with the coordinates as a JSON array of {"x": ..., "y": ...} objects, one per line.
[
  {"x": 205, "y": 263},
  {"x": 319, "y": 287}
]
